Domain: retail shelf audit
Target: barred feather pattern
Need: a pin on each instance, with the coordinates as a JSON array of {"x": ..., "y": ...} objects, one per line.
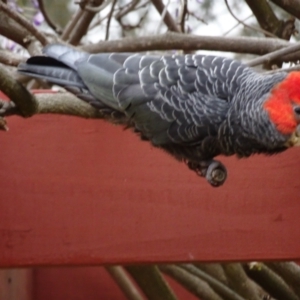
[{"x": 193, "y": 106}]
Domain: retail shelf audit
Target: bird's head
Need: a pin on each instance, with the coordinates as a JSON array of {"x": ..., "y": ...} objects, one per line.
[{"x": 283, "y": 107}]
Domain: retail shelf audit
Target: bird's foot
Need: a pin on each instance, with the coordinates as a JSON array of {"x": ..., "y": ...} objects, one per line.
[
  {"x": 214, "y": 171},
  {"x": 7, "y": 108}
]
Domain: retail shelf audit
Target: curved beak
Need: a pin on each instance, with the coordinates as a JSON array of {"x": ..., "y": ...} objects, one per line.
[
  {"x": 297, "y": 132},
  {"x": 294, "y": 139}
]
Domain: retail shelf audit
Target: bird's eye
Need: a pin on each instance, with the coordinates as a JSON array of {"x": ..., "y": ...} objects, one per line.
[{"x": 297, "y": 110}]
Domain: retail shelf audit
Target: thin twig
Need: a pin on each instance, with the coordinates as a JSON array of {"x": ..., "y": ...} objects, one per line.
[
  {"x": 128, "y": 8},
  {"x": 270, "y": 281},
  {"x": 274, "y": 55},
  {"x": 237, "y": 24},
  {"x": 267, "y": 33},
  {"x": 290, "y": 6},
  {"x": 123, "y": 281},
  {"x": 24, "y": 22},
  {"x": 97, "y": 8},
  {"x": 109, "y": 19},
  {"x": 151, "y": 281},
  {"x": 196, "y": 17},
  {"x": 289, "y": 271},
  {"x": 47, "y": 18},
  {"x": 218, "y": 286},
  {"x": 162, "y": 16},
  {"x": 184, "y": 10},
  {"x": 196, "y": 286},
  {"x": 119, "y": 14},
  {"x": 99, "y": 21},
  {"x": 81, "y": 27},
  {"x": 143, "y": 4},
  {"x": 214, "y": 270},
  {"x": 71, "y": 24},
  {"x": 167, "y": 18},
  {"x": 137, "y": 25},
  {"x": 240, "y": 282}
]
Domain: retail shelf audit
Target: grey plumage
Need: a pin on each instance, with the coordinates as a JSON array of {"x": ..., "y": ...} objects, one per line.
[{"x": 193, "y": 106}]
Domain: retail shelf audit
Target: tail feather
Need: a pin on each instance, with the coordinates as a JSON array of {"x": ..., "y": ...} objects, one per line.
[
  {"x": 51, "y": 70},
  {"x": 59, "y": 66}
]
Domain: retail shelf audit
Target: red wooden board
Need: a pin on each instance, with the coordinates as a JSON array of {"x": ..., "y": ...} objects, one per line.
[{"x": 77, "y": 192}]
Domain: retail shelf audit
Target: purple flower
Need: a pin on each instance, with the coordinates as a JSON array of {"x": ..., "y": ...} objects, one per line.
[
  {"x": 8, "y": 44},
  {"x": 38, "y": 19}
]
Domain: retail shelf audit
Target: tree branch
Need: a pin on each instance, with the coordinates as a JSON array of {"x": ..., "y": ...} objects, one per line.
[
  {"x": 10, "y": 58},
  {"x": 274, "y": 55},
  {"x": 171, "y": 41},
  {"x": 81, "y": 27},
  {"x": 71, "y": 24},
  {"x": 17, "y": 93},
  {"x": 217, "y": 286},
  {"x": 151, "y": 282},
  {"x": 215, "y": 270},
  {"x": 128, "y": 8},
  {"x": 239, "y": 281},
  {"x": 169, "y": 21},
  {"x": 17, "y": 33},
  {"x": 193, "y": 284},
  {"x": 268, "y": 21},
  {"x": 47, "y": 18},
  {"x": 265, "y": 16},
  {"x": 109, "y": 19},
  {"x": 270, "y": 281},
  {"x": 24, "y": 22},
  {"x": 65, "y": 103},
  {"x": 267, "y": 33},
  {"x": 290, "y": 6},
  {"x": 183, "y": 14},
  {"x": 290, "y": 272},
  {"x": 97, "y": 8},
  {"x": 123, "y": 281}
]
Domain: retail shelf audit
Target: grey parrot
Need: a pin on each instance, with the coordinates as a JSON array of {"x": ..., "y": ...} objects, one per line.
[{"x": 193, "y": 106}]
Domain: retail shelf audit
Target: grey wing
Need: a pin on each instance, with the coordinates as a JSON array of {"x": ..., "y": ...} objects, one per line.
[
  {"x": 160, "y": 95},
  {"x": 192, "y": 96},
  {"x": 186, "y": 114},
  {"x": 187, "y": 120},
  {"x": 113, "y": 78},
  {"x": 170, "y": 99}
]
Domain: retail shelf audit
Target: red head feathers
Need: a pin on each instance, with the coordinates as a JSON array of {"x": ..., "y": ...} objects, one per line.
[{"x": 282, "y": 101}]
